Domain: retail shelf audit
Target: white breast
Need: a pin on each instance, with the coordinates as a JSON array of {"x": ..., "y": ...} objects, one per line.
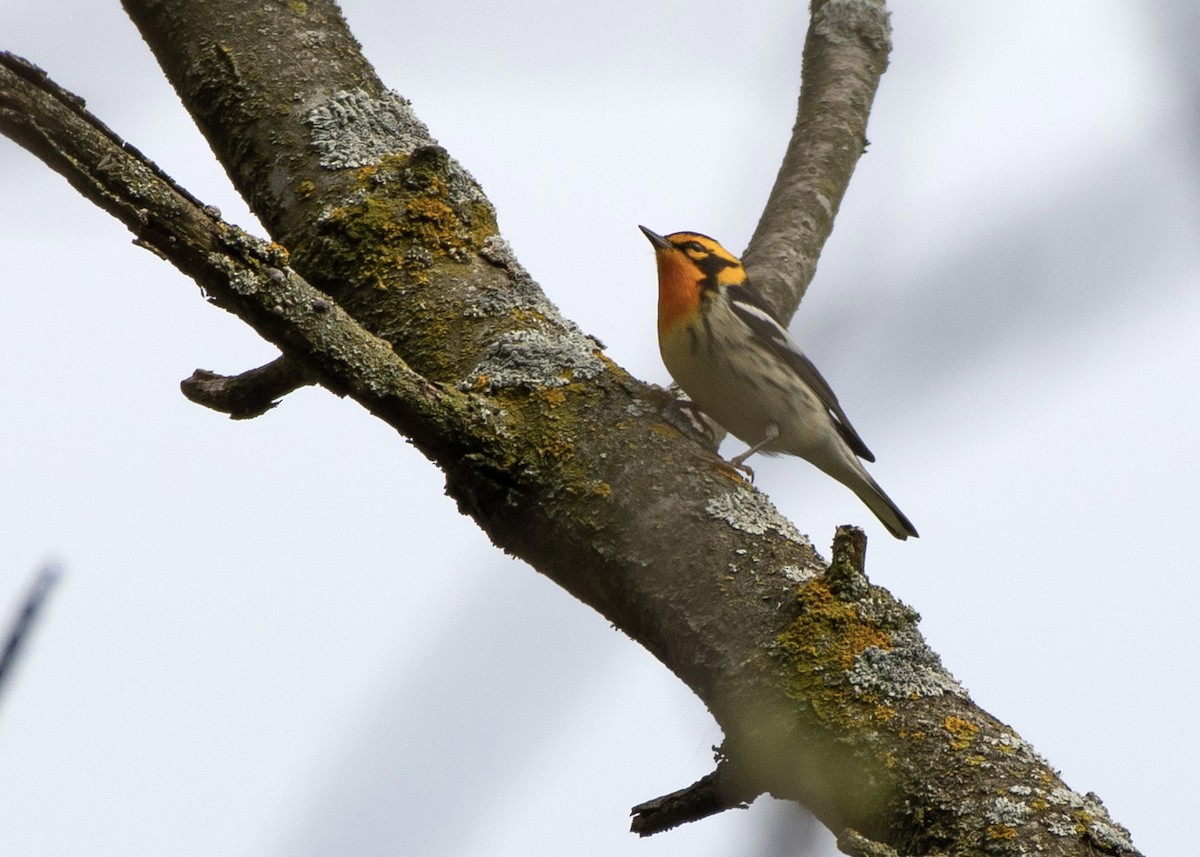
[{"x": 723, "y": 374}]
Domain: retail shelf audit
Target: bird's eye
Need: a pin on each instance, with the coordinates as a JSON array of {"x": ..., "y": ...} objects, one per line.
[{"x": 694, "y": 247}]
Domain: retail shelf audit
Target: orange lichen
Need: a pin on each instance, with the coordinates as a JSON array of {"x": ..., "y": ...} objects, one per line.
[{"x": 962, "y": 732}]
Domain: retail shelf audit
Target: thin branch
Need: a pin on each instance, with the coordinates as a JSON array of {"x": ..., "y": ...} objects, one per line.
[{"x": 845, "y": 54}]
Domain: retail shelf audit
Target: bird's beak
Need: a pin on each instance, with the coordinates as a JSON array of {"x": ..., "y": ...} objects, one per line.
[{"x": 657, "y": 240}]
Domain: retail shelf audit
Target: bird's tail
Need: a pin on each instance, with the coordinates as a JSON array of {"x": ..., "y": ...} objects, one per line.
[{"x": 881, "y": 504}]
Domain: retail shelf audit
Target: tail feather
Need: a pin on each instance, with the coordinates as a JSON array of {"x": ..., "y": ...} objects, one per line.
[
  {"x": 885, "y": 510},
  {"x": 840, "y": 462}
]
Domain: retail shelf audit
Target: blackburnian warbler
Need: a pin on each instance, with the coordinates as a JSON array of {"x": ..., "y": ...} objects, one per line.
[{"x": 723, "y": 347}]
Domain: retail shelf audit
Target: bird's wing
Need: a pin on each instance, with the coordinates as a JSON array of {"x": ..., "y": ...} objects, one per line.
[{"x": 756, "y": 314}]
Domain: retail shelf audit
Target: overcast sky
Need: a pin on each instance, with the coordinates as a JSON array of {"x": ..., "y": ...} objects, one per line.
[{"x": 277, "y": 638}]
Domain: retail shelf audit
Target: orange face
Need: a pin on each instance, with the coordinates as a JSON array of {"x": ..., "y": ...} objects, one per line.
[{"x": 689, "y": 265}]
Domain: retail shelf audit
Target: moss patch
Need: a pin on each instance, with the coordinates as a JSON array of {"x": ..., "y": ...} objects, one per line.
[
  {"x": 408, "y": 216},
  {"x": 821, "y": 645}
]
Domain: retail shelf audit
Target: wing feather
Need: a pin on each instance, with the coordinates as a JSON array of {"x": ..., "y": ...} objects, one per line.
[{"x": 749, "y": 306}]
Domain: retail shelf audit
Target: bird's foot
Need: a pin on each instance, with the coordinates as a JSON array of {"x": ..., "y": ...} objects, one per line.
[{"x": 740, "y": 466}]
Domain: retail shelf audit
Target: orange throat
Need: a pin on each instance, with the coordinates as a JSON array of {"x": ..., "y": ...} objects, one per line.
[{"x": 678, "y": 290}]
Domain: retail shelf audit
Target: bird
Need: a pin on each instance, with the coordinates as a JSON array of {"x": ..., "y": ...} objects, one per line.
[{"x": 739, "y": 365}]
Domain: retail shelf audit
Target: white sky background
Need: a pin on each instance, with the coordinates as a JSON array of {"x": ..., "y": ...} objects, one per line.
[{"x": 277, "y": 638}]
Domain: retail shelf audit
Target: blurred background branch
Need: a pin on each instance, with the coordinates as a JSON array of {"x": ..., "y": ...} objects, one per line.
[{"x": 23, "y": 623}]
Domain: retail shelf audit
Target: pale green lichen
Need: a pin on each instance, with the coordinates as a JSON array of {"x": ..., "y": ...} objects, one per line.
[
  {"x": 849, "y": 22},
  {"x": 1006, "y": 811},
  {"x": 1059, "y": 824},
  {"x": 1086, "y": 812},
  {"x": 1010, "y": 743},
  {"x": 752, "y": 512},
  {"x": 535, "y": 358},
  {"x": 499, "y": 252},
  {"x": 796, "y": 574},
  {"x": 908, "y": 669},
  {"x": 519, "y": 292},
  {"x": 354, "y": 129}
]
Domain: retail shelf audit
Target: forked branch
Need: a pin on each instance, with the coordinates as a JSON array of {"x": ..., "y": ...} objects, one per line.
[{"x": 397, "y": 290}]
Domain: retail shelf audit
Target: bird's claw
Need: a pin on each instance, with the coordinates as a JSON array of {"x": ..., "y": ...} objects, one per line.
[{"x": 739, "y": 465}]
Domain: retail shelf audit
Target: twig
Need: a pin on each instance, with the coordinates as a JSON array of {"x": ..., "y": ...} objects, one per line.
[
  {"x": 707, "y": 796},
  {"x": 250, "y": 394}
]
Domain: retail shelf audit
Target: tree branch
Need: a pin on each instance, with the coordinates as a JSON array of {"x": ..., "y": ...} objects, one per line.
[
  {"x": 845, "y": 54},
  {"x": 853, "y": 843},
  {"x": 404, "y": 296},
  {"x": 707, "y": 796},
  {"x": 238, "y": 272},
  {"x": 250, "y": 394}
]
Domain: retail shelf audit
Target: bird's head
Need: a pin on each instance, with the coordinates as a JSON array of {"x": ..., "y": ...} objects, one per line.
[{"x": 690, "y": 266}]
